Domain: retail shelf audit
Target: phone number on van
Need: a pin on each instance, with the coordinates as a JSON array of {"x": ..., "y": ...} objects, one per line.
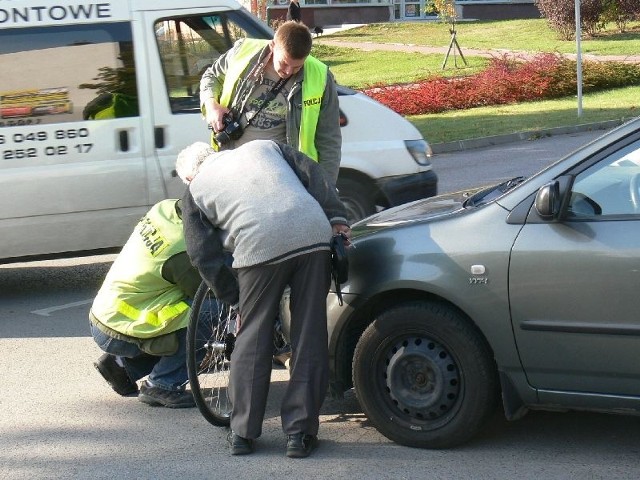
[{"x": 48, "y": 150}]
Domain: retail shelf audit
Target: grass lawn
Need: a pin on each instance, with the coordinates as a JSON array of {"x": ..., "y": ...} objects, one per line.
[
  {"x": 359, "y": 69},
  {"x": 531, "y": 35},
  {"x": 622, "y": 103}
]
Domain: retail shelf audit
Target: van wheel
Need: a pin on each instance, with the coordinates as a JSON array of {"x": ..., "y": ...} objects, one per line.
[
  {"x": 357, "y": 199},
  {"x": 424, "y": 376}
]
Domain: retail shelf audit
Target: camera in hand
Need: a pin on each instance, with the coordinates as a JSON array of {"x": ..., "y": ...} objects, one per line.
[{"x": 232, "y": 130}]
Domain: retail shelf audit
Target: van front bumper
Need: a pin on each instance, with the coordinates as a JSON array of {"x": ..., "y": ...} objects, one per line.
[{"x": 407, "y": 188}]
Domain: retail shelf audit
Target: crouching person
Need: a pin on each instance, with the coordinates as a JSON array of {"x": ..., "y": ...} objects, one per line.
[{"x": 140, "y": 314}]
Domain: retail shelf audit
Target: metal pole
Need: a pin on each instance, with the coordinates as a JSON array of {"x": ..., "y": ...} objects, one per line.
[{"x": 579, "y": 57}]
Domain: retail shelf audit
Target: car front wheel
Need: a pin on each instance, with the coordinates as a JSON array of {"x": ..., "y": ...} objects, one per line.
[{"x": 424, "y": 376}]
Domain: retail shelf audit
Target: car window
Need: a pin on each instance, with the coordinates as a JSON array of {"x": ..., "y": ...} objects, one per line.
[
  {"x": 609, "y": 188},
  {"x": 67, "y": 73},
  {"x": 188, "y": 45}
]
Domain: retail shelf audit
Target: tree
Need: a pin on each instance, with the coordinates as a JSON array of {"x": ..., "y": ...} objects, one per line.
[
  {"x": 620, "y": 12},
  {"x": 446, "y": 10},
  {"x": 561, "y": 15}
]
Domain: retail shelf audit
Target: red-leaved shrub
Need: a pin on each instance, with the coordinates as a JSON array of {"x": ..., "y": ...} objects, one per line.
[{"x": 506, "y": 80}]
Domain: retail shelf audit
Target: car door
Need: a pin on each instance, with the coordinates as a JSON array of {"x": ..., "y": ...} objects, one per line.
[
  {"x": 72, "y": 170},
  {"x": 574, "y": 284},
  {"x": 181, "y": 44}
]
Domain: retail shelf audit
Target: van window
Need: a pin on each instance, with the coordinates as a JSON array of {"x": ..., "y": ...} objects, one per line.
[
  {"x": 188, "y": 45},
  {"x": 47, "y": 84}
]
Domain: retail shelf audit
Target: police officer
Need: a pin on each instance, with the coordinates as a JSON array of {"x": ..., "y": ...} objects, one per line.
[
  {"x": 276, "y": 91},
  {"x": 140, "y": 314}
]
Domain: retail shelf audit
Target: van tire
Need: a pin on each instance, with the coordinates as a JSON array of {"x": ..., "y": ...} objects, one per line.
[{"x": 357, "y": 198}]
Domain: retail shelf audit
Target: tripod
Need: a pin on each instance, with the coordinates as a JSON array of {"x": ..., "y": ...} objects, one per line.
[{"x": 453, "y": 43}]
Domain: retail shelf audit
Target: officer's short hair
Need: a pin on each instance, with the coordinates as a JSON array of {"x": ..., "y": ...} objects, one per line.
[{"x": 295, "y": 38}]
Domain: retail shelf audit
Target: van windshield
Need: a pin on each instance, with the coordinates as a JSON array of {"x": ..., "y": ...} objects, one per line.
[{"x": 187, "y": 45}]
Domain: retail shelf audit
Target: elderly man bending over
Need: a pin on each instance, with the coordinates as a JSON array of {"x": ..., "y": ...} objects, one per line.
[{"x": 275, "y": 209}]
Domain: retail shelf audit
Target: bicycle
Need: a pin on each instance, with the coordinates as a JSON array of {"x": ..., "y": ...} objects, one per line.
[
  {"x": 211, "y": 335},
  {"x": 210, "y": 342}
]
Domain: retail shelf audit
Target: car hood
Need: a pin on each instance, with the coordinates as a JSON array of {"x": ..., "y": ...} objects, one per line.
[{"x": 418, "y": 211}]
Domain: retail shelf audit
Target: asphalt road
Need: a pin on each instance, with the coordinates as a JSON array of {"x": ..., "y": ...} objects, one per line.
[
  {"x": 468, "y": 168},
  {"x": 59, "y": 419}
]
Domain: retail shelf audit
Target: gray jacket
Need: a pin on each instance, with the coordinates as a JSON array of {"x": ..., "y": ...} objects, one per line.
[
  {"x": 328, "y": 139},
  {"x": 266, "y": 202}
]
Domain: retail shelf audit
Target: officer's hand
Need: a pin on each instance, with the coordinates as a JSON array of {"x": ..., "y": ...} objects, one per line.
[{"x": 214, "y": 114}]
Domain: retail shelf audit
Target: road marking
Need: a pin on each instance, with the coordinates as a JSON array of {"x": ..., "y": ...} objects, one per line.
[{"x": 46, "y": 312}]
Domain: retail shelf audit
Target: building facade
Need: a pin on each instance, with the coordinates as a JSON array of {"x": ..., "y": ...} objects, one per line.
[{"x": 339, "y": 12}]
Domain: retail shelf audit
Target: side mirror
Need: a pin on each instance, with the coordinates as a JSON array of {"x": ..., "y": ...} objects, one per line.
[{"x": 547, "y": 201}]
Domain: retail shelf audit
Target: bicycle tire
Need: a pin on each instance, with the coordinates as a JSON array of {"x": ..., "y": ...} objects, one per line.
[{"x": 209, "y": 346}]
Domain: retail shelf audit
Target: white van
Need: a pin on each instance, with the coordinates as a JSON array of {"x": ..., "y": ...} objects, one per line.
[{"x": 98, "y": 97}]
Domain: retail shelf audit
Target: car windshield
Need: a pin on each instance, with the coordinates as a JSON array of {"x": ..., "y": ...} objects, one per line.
[{"x": 489, "y": 194}]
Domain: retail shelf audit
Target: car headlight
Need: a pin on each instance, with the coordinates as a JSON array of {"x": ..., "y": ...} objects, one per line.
[{"x": 420, "y": 150}]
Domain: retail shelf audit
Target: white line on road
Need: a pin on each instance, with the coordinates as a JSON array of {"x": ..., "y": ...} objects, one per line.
[{"x": 46, "y": 312}]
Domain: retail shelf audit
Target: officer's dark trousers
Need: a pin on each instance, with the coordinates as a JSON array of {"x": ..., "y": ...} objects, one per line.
[{"x": 261, "y": 288}]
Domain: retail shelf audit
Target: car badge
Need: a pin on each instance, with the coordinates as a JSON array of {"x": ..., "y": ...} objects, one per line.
[{"x": 478, "y": 277}]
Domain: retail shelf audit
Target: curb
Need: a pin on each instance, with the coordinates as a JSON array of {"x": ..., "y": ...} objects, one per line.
[{"x": 460, "y": 145}]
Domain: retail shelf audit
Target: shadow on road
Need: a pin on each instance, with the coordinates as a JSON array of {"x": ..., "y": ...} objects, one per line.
[{"x": 49, "y": 298}]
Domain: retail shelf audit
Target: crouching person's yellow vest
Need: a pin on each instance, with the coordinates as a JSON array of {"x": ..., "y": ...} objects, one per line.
[{"x": 134, "y": 300}]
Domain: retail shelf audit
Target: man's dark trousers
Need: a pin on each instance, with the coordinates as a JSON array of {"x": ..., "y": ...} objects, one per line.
[{"x": 261, "y": 289}]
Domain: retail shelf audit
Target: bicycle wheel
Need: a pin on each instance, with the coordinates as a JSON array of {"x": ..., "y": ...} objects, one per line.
[{"x": 210, "y": 341}]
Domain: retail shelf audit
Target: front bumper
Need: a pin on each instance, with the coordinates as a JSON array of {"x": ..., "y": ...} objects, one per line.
[{"x": 407, "y": 188}]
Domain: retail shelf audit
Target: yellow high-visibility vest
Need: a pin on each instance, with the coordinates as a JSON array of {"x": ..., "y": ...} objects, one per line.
[
  {"x": 313, "y": 85},
  {"x": 134, "y": 299}
]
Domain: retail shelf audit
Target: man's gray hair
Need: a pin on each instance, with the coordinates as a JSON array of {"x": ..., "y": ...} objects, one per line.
[{"x": 190, "y": 159}]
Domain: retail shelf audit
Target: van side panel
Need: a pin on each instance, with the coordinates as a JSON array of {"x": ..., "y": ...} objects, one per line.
[
  {"x": 72, "y": 171},
  {"x": 26, "y": 13}
]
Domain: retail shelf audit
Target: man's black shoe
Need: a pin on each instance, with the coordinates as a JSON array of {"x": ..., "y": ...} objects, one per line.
[
  {"x": 115, "y": 375},
  {"x": 300, "y": 445},
  {"x": 156, "y": 397},
  {"x": 239, "y": 445}
]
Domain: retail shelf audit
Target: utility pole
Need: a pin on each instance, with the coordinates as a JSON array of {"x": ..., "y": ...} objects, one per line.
[{"x": 579, "y": 57}]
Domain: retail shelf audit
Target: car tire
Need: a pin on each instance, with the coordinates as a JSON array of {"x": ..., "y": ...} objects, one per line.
[
  {"x": 357, "y": 199},
  {"x": 424, "y": 376}
]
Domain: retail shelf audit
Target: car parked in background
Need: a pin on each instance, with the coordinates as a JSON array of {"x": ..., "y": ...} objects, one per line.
[{"x": 524, "y": 292}]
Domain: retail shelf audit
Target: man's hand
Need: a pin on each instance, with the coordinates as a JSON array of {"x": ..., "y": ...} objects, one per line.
[
  {"x": 345, "y": 231},
  {"x": 236, "y": 318},
  {"x": 340, "y": 228},
  {"x": 238, "y": 323}
]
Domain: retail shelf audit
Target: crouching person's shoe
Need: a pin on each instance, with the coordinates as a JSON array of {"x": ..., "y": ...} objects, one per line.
[
  {"x": 160, "y": 397},
  {"x": 115, "y": 375},
  {"x": 300, "y": 445},
  {"x": 239, "y": 445}
]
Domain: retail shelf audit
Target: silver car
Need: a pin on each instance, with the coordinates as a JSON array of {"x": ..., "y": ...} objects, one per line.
[{"x": 525, "y": 293}]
